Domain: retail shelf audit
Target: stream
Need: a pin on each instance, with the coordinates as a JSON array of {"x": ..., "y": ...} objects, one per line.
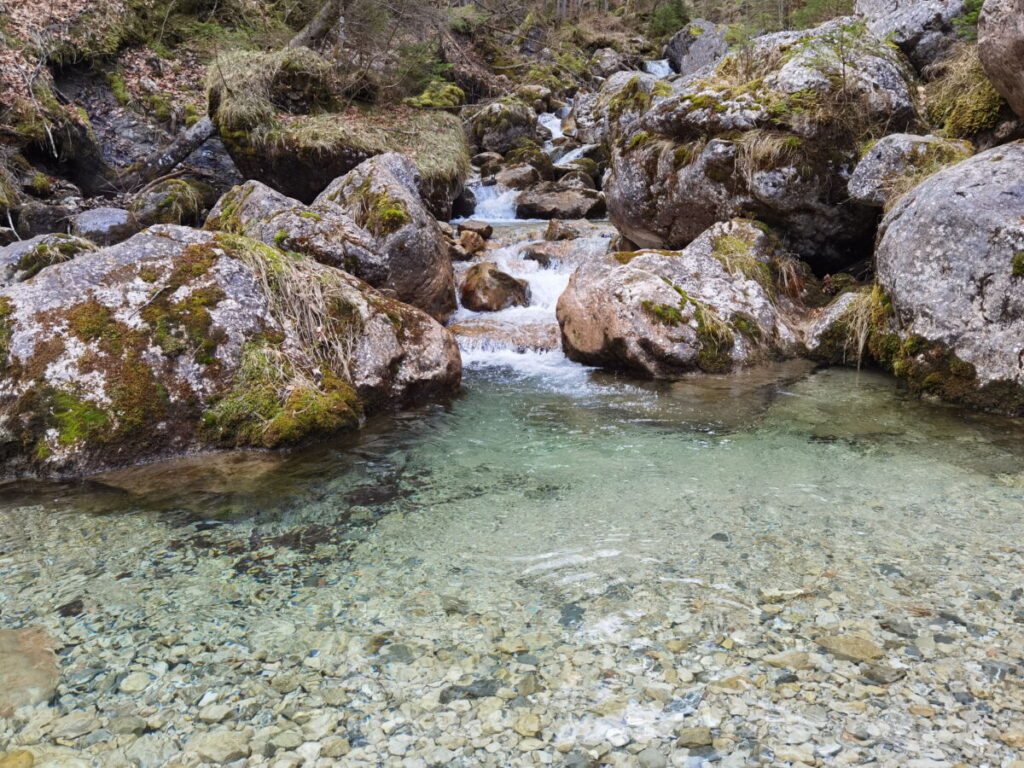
[{"x": 559, "y": 566}]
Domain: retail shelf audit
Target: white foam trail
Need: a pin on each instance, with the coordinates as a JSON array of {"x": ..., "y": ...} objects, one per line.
[
  {"x": 659, "y": 68},
  {"x": 575, "y": 154}
]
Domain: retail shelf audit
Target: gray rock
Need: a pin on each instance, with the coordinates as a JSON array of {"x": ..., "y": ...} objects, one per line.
[
  {"x": 712, "y": 307},
  {"x": 899, "y": 161},
  {"x": 923, "y": 29},
  {"x": 158, "y": 345},
  {"x": 500, "y": 125},
  {"x": 28, "y": 669},
  {"x": 607, "y": 61},
  {"x": 105, "y": 226},
  {"x": 555, "y": 200},
  {"x": 24, "y": 259},
  {"x": 518, "y": 177},
  {"x": 485, "y": 288},
  {"x": 324, "y": 232},
  {"x": 174, "y": 201},
  {"x": 599, "y": 117},
  {"x": 382, "y": 196},
  {"x": 651, "y": 758},
  {"x": 699, "y": 44},
  {"x": 951, "y": 257},
  {"x": 1001, "y": 48},
  {"x": 37, "y": 218},
  {"x": 220, "y": 746}
]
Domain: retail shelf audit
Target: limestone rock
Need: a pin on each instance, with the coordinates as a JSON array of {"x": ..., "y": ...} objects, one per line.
[
  {"x": 220, "y": 747},
  {"x": 518, "y": 177},
  {"x": 24, "y": 259},
  {"x": 487, "y": 289},
  {"x": 501, "y": 124},
  {"x": 950, "y": 257},
  {"x": 898, "y": 162},
  {"x": 923, "y": 29},
  {"x": 554, "y": 200},
  {"x": 699, "y": 44},
  {"x": 1001, "y": 48},
  {"x": 482, "y": 228},
  {"x": 712, "y": 307},
  {"x": 178, "y": 340},
  {"x": 605, "y": 62},
  {"x": 105, "y": 226},
  {"x": 851, "y": 648},
  {"x": 382, "y": 196}
]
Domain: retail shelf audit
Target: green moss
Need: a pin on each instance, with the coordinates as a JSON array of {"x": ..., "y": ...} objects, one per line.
[
  {"x": 76, "y": 419},
  {"x": 667, "y": 314},
  {"x": 962, "y": 100},
  {"x": 119, "y": 88},
  {"x": 378, "y": 212},
  {"x": 310, "y": 215},
  {"x": 279, "y": 237},
  {"x": 55, "y": 249},
  {"x": 1017, "y": 264},
  {"x": 635, "y": 98},
  {"x": 6, "y": 331},
  {"x": 639, "y": 139},
  {"x": 186, "y": 326},
  {"x": 714, "y": 336},
  {"x": 41, "y": 184},
  {"x": 192, "y": 115},
  {"x": 439, "y": 95}
]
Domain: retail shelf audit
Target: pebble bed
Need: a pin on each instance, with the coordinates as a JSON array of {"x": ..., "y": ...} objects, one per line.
[{"x": 812, "y": 572}]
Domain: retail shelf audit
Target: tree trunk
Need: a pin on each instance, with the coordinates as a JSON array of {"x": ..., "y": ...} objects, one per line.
[
  {"x": 164, "y": 160},
  {"x": 321, "y": 24}
]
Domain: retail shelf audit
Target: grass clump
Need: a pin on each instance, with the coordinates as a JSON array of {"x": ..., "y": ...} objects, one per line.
[
  {"x": 54, "y": 249},
  {"x": 925, "y": 160},
  {"x": 961, "y": 100},
  {"x": 1017, "y": 264}
]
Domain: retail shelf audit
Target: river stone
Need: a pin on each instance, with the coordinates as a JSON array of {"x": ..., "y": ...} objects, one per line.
[
  {"x": 899, "y": 161},
  {"x": 156, "y": 346},
  {"x": 17, "y": 759},
  {"x": 851, "y": 647},
  {"x": 791, "y": 659},
  {"x": 694, "y": 737},
  {"x": 38, "y": 218},
  {"x": 651, "y": 758},
  {"x": 711, "y": 307},
  {"x": 173, "y": 201},
  {"x": 699, "y": 44},
  {"x": 105, "y": 226},
  {"x": 28, "y": 669},
  {"x": 518, "y": 177},
  {"x": 24, "y": 259},
  {"x": 527, "y": 725},
  {"x": 554, "y": 200},
  {"x": 481, "y": 228},
  {"x": 324, "y": 232},
  {"x": 1001, "y": 48},
  {"x": 485, "y": 288},
  {"x": 136, "y": 682},
  {"x": 382, "y": 196},
  {"x": 220, "y": 746},
  {"x": 471, "y": 242},
  {"x": 499, "y": 126},
  {"x": 950, "y": 256}
]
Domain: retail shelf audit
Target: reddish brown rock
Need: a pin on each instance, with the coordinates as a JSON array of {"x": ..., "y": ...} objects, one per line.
[
  {"x": 28, "y": 669},
  {"x": 488, "y": 289}
]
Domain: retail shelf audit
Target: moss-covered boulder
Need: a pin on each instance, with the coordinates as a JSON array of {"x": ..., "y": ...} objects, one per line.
[
  {"x": 730, "y": 299},
  {"x": 382, "y": 197},
  {"x": 599, "y": 118},
  {"x": 179, "y": 340},
  {"x": 173, "y": 201},
  {"x": 284, "y": 123},
  {"x": 899, "y": 162},
  {"x": 699, "y": 44},
  {"x": 24, "y": 259},
  {"x": 501, "y": 125},
  {"x": 772, "y": 133},
  {"x": 950, "y": 259},
  {"x": 323, "y": 232}
]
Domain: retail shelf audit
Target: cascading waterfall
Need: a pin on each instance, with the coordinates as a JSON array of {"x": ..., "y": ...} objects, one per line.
[{"x": 658, "y": 68}]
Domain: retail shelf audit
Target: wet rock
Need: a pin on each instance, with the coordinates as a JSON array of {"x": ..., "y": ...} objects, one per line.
[
  {"x": 7, "y": 236},
  {"x": 851, "y": 647},
  {"x": 713, "y": 151},
  {"x": 136, "y": 682},
  {"x": 28, "y": 669},
  {"x": 712, "y": 307},
  {"x": 1001, "y": 48},
  {"x": 485, "y": 159},
  {"x": 560, "y": 230},
  {"x": 951, "y": 258},
  {"x": 518, "y": 177},
  {"x": 699, "y": 44},
  {"x": 553, "y": 200},
  {"x": 325, "y": 232},
  {"x": 127, "y": 725},
  {"x": 481, "y": 228},
  {"x": 174, "y": 201},
  {"x": 500, "y": 125},
  {"x": 923, "y": 29},
  {"x": 24, "y": 259},
  {"x": 471, "y": 242},
  {"x": 382, "y": 196},
  {"x": 476, "y": 690},
  {"x": 651, "y": 758},
  {"x": 105, "y": 226},
  {"x": 179, "y": 339},
  {"x": 485, "y": 288},
  {"x": 900, "y": 161},
  {"x": 693, "y": 737}
]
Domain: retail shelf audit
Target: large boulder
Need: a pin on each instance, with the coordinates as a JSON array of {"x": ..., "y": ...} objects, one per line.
[
  {"x": 173, "y": 201},
  {"x": 180, "y": 340},
  {"x": 105, "y": 226},
  {"x": 596, "y": 118},
  {"x": 273, "y": 112},
  {"x": 1001, "y": 47},
  {"x": 605, "y": 62},
  {"x": 773, "y": 133},
  {"x": 923, "y": 29},
  {"x": 24, "y": 259},
  {"x": 556, "y": 200},
  {"x": 900, "y": 161},
  {"x": 950, "y": 258},
  {"x": 699, "y": 44},
  {"x": 324, "y": 232},
  {"x": 485, "y": 288},
  {"x": 382, "y": 197},
  {"x": 720, "y": 304},
  {"x": 499, "y": 126}
]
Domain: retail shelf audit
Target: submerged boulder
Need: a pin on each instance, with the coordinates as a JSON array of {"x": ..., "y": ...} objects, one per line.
[
  {"x": 950, "y": 259},
  {"x": 699, "y": 44},
  {"x": 273, "y": 112},
  {"x": 720, "y": 304},
  {"x": 485, "y": 288},
  {"x": 24, "y": 259},
  {"x": 1001, "y": 48},
  {"x": 382, "y": 197},
  {"x": 898, "y": 162},
  {"x": 179, "y": 340},
  {"x": 772, "y": 133},
  {"x": 923, "y": 29},
  {"x": 324, "y": 232}
]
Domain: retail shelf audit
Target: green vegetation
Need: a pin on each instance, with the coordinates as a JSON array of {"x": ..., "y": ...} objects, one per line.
[
  {"x": 6, "y": 331},
  {"x": 54, "y": 249},
  {"x": 1017, "y": 265},
  {"x": 715, "y": 338},
  {"x": 439, "y": 95},
  {"x": 961, "y": 100},
  {"x": 668, "y": 18}
]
